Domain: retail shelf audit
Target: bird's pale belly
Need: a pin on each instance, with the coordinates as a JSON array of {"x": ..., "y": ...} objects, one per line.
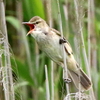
[{"x": 52, "y": 51}]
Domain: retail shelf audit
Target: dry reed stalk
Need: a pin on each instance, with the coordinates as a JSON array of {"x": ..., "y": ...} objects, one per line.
[
  {"x": 65, "y": 70},
  {"x": 91, "y": 36},
  {"x": 79, "y": 21},
  {"x": 1, "y": 68},
  {"x": 49, "y": 18},
  {"x": 91, "y": 51},
  {"x": 52, "y": 80},
  {"x": 65, "y": 8},
  {"x": 8, "y": 84},
  {"x": 37, "y": 57},
  {"x": 21, "y": 33},
  {"x": 47, "y": 84},
  {"x": 79, "y": 30}
]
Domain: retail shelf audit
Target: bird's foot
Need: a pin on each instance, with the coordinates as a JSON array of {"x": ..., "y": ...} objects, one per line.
[{"x": 67, "y": 80}]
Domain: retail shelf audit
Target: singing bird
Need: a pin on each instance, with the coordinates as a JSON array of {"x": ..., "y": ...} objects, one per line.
[{"x": 50, "y": 42}]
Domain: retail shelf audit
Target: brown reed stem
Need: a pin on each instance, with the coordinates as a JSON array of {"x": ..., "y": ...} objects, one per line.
[{"x": 8, "y": 84}]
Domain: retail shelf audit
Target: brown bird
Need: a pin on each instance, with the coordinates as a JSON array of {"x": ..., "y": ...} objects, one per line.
[{"x": 50, "y": 42}]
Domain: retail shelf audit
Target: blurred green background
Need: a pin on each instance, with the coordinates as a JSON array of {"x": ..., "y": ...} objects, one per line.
[{"x": 28, "y": 61}]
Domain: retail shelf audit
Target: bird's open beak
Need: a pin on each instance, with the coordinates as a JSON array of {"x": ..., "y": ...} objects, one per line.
[{"x": 30, "y": 25}]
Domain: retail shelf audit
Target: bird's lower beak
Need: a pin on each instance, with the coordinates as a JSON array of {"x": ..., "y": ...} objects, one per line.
[{"x": 30, "y": 25}]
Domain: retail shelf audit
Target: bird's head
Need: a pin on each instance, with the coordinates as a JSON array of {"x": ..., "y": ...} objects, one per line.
[{"x": 36, "y": 24}]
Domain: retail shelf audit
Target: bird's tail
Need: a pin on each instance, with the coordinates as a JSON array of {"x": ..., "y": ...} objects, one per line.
[{"x": 80, "y": 79}]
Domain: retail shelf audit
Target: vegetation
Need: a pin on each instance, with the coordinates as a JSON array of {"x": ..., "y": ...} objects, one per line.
[{"x": 25, "y": 72}]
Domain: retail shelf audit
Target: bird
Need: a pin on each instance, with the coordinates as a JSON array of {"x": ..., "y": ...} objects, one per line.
[{"x": 50, "y": 41}]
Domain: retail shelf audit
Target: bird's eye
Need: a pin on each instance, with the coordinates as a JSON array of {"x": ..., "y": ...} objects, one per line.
[{"x": 36, "y": 22}]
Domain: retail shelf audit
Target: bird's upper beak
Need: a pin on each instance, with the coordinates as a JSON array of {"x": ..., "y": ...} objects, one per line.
[{"x": 31, "y": 25}]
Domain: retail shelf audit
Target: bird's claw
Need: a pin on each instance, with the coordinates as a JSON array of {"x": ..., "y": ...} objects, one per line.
[{"x": 68, "y": 80}]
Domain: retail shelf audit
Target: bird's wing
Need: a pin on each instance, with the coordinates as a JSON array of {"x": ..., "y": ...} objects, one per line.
[
  {"x": 55, "y": 31},
  {"x": 68, "y": 48},
  {"x": 67, "y": 45}
]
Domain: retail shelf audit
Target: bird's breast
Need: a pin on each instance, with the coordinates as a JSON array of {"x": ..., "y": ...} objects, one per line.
[{"x": 51, "y": 47}]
